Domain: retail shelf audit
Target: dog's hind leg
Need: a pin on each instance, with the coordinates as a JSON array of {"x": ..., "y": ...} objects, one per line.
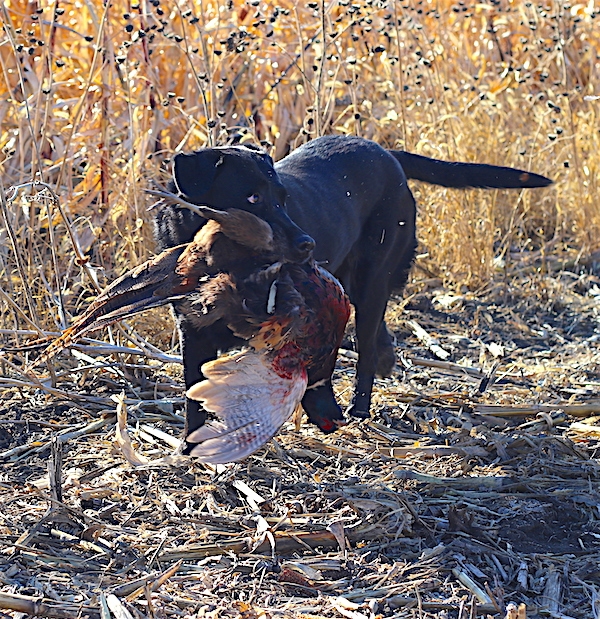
[{"x": 386, "y": 355}]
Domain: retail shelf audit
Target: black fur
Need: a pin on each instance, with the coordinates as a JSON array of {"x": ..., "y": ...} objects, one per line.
[{"x": 351, "y": 196}]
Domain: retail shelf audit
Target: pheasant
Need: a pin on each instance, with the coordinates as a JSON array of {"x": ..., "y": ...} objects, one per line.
[
  {"x": 253, "y": 392},
  {"x": 292, "y": 316},
  {"x": 232, "y": 241}
]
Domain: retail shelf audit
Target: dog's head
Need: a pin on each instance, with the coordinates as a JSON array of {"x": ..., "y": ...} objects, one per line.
[{"x": 241, "y": 177}]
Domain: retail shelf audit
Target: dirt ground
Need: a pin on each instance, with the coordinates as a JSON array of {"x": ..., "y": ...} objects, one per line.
[{"x": 473, "y": 486}]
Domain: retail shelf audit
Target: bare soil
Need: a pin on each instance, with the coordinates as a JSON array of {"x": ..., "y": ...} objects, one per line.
[{"x": 474, "y": 485}]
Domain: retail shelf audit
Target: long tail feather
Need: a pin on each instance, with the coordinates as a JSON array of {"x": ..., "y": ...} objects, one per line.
[
  {"x": 148, "y": 285},
  {"x": 251, "y": 400}
]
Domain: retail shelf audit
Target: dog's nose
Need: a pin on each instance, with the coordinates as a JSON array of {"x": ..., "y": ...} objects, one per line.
[{"x": 305, "y": 244}]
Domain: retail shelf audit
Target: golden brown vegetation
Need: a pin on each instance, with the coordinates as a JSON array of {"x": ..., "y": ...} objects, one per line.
[
  {"x": 95, "y": 98},
  {"x": 448, "y": 490}
]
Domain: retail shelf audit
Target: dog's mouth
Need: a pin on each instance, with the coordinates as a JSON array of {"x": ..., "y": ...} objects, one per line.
[
  {"x": 303, "y": 249},
  {"x": 295, "y": 253},
  {"x": 301, "y": 258}
]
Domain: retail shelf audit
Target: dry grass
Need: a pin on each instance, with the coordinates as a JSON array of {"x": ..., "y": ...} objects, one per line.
[
  {"x": 95, "y": 99},
  {"x": 465, "y": 491}
]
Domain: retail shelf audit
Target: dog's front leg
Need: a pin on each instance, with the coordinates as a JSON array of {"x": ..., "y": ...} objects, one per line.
[
  {"x": 321, "y": 407},
  {"x": 195, "y": 351},
  {"x": 199, "y": 345},
  {"x": 361, "y": 402}
]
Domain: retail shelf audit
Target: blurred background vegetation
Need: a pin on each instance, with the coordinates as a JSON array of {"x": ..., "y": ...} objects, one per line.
[{"x": 96, "y": 97}]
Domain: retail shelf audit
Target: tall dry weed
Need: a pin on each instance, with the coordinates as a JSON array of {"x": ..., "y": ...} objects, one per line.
[{"x": 96, "y": 97}]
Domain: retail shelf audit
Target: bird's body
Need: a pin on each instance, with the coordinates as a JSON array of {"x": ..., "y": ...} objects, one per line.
[
  {"x": 255, "y": 391},
  {"x": 292, "y": 316}
]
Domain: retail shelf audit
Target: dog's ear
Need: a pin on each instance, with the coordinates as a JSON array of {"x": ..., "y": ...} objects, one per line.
[{"x": 194, "y": 173}]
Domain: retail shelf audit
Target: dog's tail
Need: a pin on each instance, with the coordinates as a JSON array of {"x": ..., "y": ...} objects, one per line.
[{"x": 460, "y": 175}]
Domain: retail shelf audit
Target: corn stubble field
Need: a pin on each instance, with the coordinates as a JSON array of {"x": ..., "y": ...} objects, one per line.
[{"x": 473, "y": 490}]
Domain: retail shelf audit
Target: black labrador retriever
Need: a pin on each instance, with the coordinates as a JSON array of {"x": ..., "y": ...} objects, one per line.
[{"x": 351, "y": 196}]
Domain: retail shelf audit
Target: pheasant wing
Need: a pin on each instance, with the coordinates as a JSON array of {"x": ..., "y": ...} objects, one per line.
[{"x": 252, "y": 397}]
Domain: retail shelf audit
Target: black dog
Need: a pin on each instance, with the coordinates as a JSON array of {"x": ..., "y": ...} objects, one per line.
[{"x": 352, "y": 197}]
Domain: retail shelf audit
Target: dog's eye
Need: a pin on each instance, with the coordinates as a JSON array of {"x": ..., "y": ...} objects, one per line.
[{"x": 253, "y": 198}]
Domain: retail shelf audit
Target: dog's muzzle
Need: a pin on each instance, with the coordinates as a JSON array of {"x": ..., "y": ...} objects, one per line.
[{"x": 304, "y": 245}]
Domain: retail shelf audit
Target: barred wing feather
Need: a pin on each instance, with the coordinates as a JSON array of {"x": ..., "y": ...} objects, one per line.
[{"x": 251, "y": 400}]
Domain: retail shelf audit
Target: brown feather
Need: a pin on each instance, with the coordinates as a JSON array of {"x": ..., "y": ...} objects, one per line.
[{"x": 238, "y": 242}]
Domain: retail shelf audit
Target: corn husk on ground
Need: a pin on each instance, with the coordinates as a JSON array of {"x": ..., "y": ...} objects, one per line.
[{"x": 474, "y": 485}]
